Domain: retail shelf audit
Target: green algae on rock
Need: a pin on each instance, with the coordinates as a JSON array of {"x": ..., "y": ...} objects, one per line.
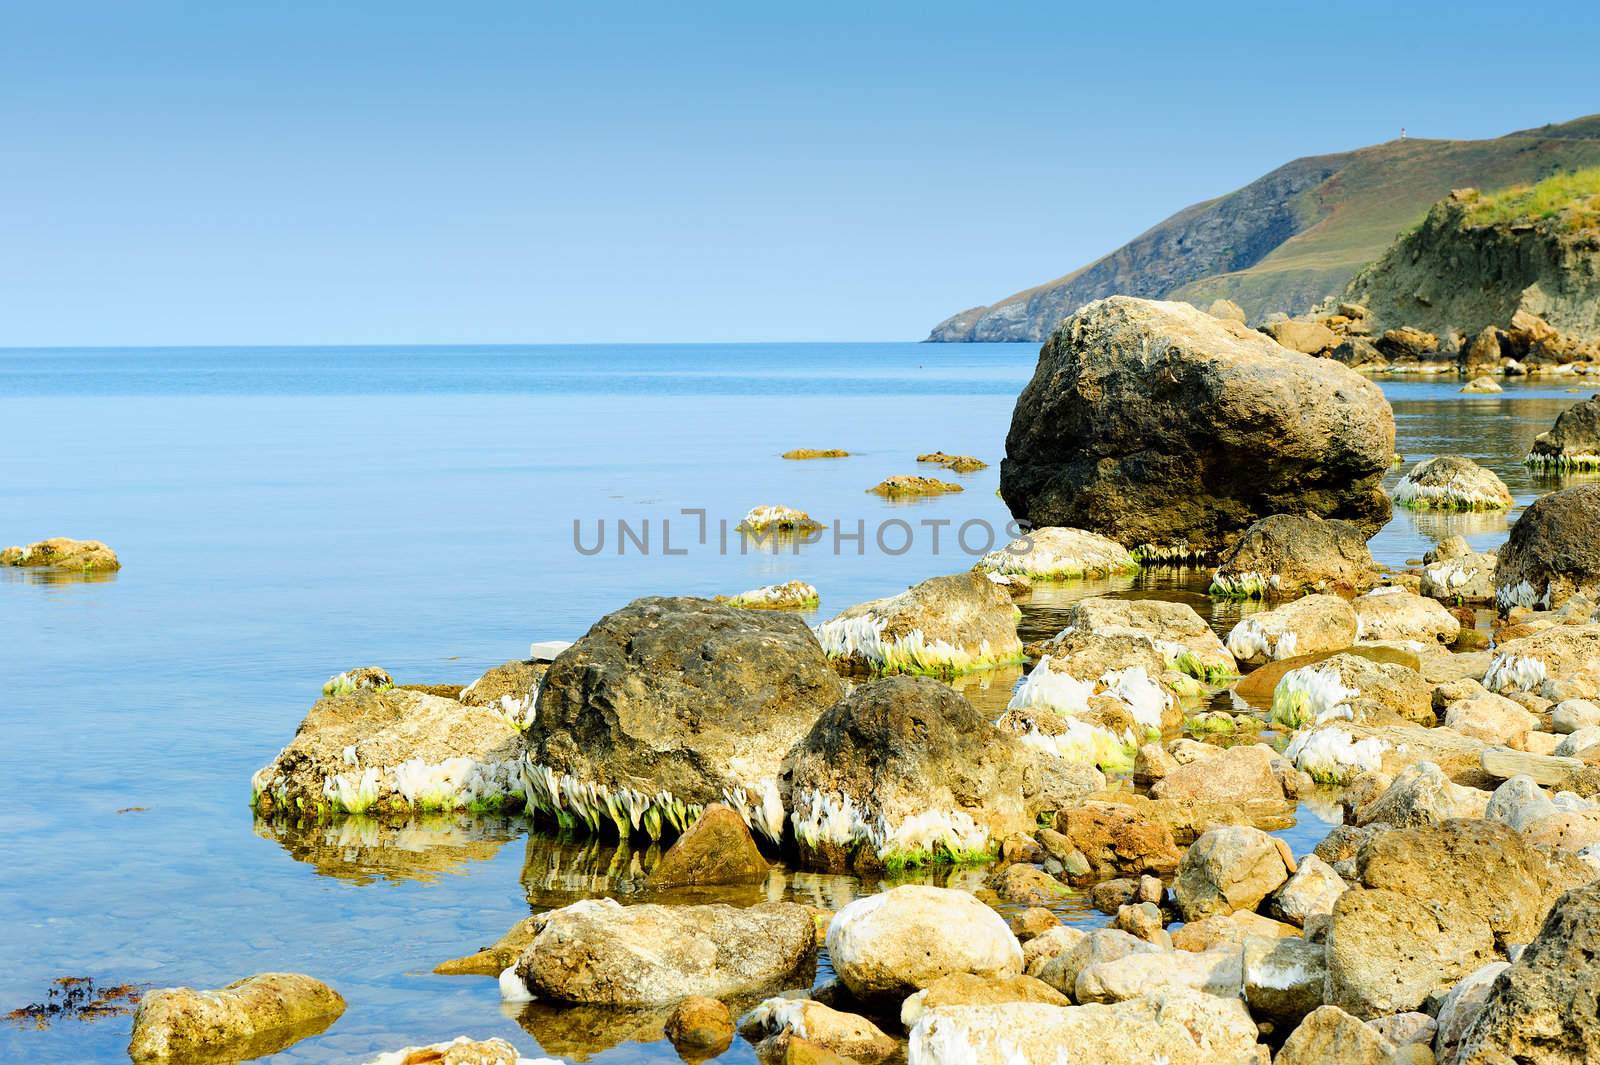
[
  {"x": 1053, "y": 554},
  {"x": 907, "y": 484},
  {"x": 942, "y": 626},
  {"x": 669, "y": 704},
  {"x": 776, "y": 518},
  {"x": 954, "y": 463},
  {"x": 87, "y": 556},
  {"x": 803, "y": 453},
  {"x": 1450, "y": 482},
  {"x": 790, "y": 595}
]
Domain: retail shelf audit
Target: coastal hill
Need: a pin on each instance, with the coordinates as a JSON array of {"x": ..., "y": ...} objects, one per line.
[
  {"x": 1292, "y": 238},
  {"x": 1481, "y": 259}
]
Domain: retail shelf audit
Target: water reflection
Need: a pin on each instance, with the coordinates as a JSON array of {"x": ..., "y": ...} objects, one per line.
[
  {"x": 364, "y": 849},
  {"x": 47, "y": 576}
]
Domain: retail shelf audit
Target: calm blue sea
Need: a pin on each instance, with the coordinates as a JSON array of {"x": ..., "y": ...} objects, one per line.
[{"x": 284, "y": 514}]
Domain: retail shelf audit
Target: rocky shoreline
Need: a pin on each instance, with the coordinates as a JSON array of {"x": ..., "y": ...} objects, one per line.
[{"x": 1142, "y": 761}]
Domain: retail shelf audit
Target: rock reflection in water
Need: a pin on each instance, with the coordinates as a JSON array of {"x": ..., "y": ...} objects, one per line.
[
  {"x": 364, "y": 849},
  {"x": 577, "y": 1033},
  {"x": 42, "y": 575}
]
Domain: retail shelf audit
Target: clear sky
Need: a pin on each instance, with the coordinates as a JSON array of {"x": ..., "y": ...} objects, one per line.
[{"x": 293, "y": 172}]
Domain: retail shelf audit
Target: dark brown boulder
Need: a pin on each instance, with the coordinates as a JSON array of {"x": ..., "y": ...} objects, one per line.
[
  {"x": 717, "y": 849},
  {"x": 1170, "y": 430}
]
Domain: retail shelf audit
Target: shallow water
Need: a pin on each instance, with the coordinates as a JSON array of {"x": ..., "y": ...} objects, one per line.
[{"x": 286, "y": 514}]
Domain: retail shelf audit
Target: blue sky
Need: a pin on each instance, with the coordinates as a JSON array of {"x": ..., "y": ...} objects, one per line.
[{"x": 228, "y": 172}]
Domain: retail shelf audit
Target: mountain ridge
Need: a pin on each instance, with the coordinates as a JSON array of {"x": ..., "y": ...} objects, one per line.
[{"x": 1290, "y": 238}]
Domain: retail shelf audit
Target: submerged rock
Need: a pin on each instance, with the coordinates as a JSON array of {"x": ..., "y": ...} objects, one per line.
[
  {"x": 1450, "y": 482},
  {"x": 598, "y": 951},
  {"x": 1573, "y": 442},
  {"x": 910, "y": 484},
  {"x": 1053, "y": 554},
  {"x": 1481, "y": 386},
  {"x": 886, "y": 946},
  {"x": 1285, "y": 556},
  {"x": 800, "y": 453},
  {"x": 461, "y": 1050},
  {"x": 1159, "y": 425},
  {"x": 905, "y": 769},
  {"x": 1553, "y": 552},
  {"x": 790, "y": 595},
  {"x": 672, "y": 703},
  {"x": 945, "y": 625},
  {"x": 777, "y": 518},
  {"x": 956, "y": 463},
  {"x": 86, "y": 556},
  {"x": 1311, "y": 625},
  {"x": 249, "y": 1018},
  {"x": 700, "y": 1027},
  {"x": 393, "y": 752}
]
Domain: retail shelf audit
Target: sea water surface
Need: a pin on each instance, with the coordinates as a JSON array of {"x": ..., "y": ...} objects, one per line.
[{"x": 285, "y": 514}]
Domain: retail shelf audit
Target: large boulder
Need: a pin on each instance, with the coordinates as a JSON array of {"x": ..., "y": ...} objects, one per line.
[
  {"x": 600, "y": 952},
  {"x": 1182, "y": 636},
  {"x": 1287, "y": 555},
  {"x": 886, "y": 946},
  {"x": 393, "y": 752},
  {"x": 945, "y": 625},
  {"x": 1546, "y": 1006},
  {"x": 1054, "y": 554},
  {"x": 249, "y": 1018},
  {"x": 1167, "y": 429},
  {"x": 1553, "y": 551},
  {"x": 1573, "y": 442},
  {"x": 1450, "y": 482},
  {"x": 670, "y": 704},
  {"x": 1315, "y": 624},
  {"x": 1174, "y": 1025},
  {"x": 1396, "y": 614},
  {"x": 905, "y": 769},
  {"x": 1229, "y": 869},
  {"x": 1439, "y": 901}
]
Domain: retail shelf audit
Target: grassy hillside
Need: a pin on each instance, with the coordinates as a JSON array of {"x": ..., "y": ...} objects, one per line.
[{"x": 1293, "y": 237}]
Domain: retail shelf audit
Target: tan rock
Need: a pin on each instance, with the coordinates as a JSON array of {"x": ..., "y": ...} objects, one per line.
[
  {"x": 258, "y": 1015},
  {"x": 716, "y": 849}
]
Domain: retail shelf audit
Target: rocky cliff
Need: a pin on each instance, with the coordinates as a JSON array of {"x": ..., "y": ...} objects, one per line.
[
  {"x": 1290, "y": 239},
  {"x": 1478, "y": 261}
]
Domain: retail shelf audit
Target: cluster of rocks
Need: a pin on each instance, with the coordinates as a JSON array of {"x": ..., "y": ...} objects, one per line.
[
  {"x": 1525, "y": 344},
  {"x": 1452, "y": 917}
]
